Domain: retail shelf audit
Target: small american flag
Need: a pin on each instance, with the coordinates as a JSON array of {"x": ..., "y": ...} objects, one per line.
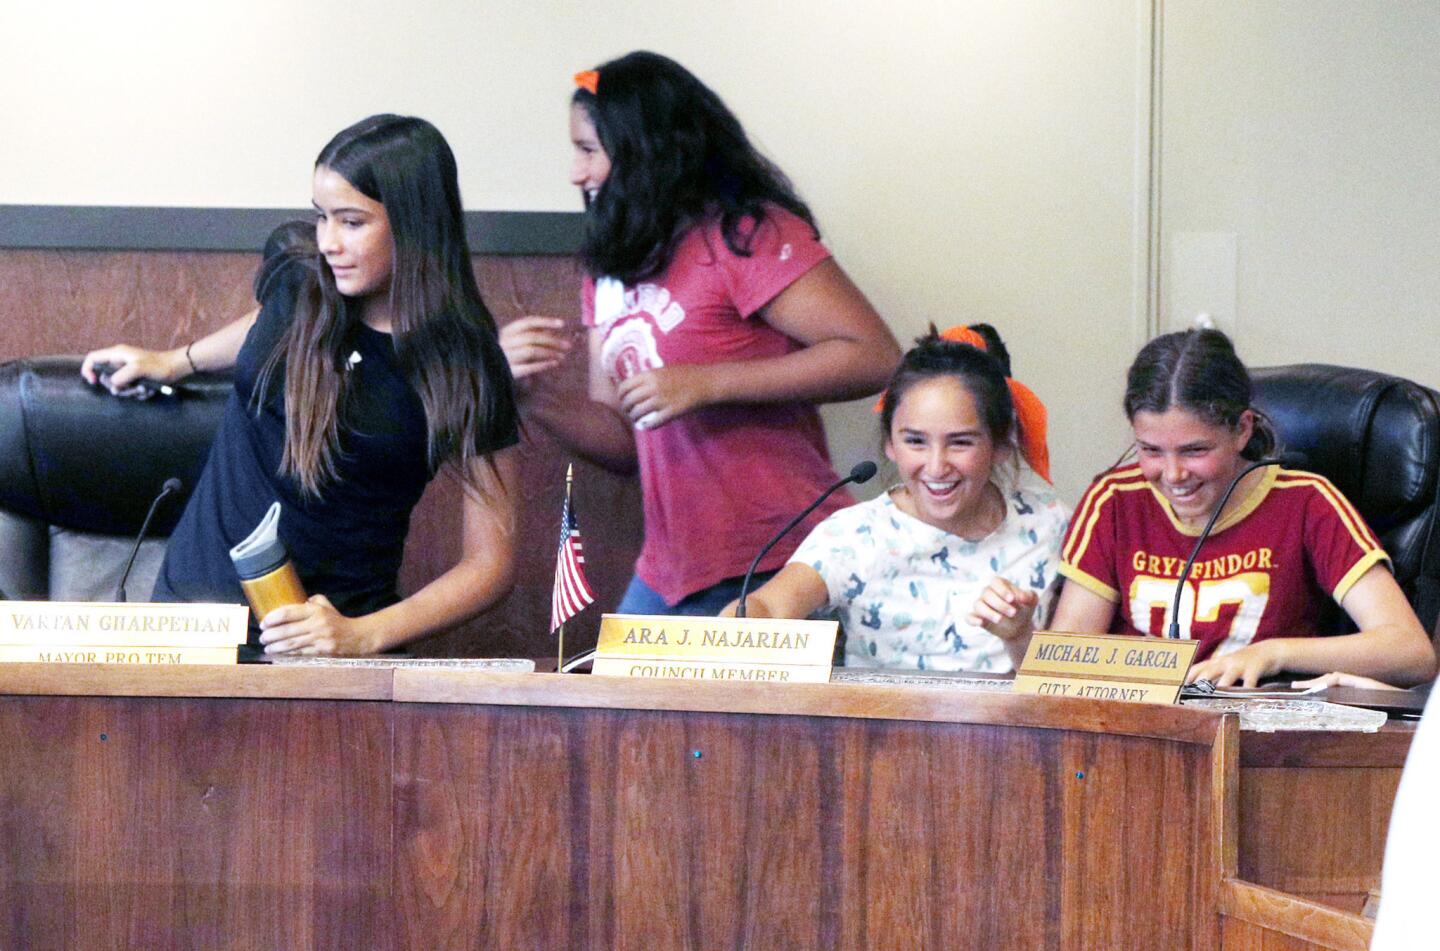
[{"x": 572, "y": 591}]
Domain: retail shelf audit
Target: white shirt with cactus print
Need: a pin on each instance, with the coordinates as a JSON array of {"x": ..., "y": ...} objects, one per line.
[{"x": 902, "y": 588}]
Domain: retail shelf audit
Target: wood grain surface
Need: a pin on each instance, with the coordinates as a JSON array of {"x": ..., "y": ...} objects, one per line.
[
  {"x": 258, "y": 807},
  {"x": 180, "y": 824},
  {"x": 1317, "y": 831},
  {"x": 658, "y": 829},
  {"x": 1383, "y": 750},
  {"x": 1262, "y": 919},
  {"x": 1180, "y": 724},
  {"x": 237, "y": 680},
  {"x": 1315, "y": 810}
]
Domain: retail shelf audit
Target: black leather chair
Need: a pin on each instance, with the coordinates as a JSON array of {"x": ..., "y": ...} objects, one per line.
[
  {"x": 1377, "y": 437},
  {"x": 78, "y": 471}
]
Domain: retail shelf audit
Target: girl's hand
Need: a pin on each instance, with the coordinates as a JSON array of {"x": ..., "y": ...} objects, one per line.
[
  {"x": 1245, "y": 667},
  {"x": 655, "y": 397},
  {"x": 314, "y": 627},
  {"x": 1005, "y": 610},
  {"x": 534, "y": 345},
  {"x": 1338, "y": 679},
  {"x": 130, "y": 366}
]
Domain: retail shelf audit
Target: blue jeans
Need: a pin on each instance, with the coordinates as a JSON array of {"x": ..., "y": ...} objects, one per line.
[{"x": 640, "y": 598}]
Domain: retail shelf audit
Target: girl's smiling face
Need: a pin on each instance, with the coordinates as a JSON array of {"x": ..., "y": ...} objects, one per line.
[
  {"x": 590, "y": 165},
  {"x": 1189, "y": 460},
  {"x": 945, "y": 456}
]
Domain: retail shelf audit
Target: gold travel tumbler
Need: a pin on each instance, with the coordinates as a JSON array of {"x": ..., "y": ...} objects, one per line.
[
  {"x": 273, "y": 588},
  {"x": 267, "y": 576}
]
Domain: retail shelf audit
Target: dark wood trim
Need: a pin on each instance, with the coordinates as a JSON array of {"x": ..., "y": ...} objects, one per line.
[
  {"x": 1319, "y": 925},
  {"x": 1179, "y": 724},
  {"x": 1386, "y": 749},
  {"x": 1183, "y": 725},
  {"x": 255, "y": 681},
  {"x": 127, "y": 228}
]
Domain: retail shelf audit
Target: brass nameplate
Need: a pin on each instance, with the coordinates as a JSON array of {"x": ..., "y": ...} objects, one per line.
[
  {"x": 101, "y": 626},
  {"x": 141, "y": 656},
  {"x": 707, "y": 648},
  {"x": 1105, "y": 667}
]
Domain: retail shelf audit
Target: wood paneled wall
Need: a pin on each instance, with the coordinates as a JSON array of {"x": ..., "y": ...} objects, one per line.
[{"x": 73, "y": 301}]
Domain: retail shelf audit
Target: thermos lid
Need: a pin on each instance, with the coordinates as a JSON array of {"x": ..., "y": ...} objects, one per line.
[
  {"x": 260, "y": 561},
  {"x": 262, "y": 552}
]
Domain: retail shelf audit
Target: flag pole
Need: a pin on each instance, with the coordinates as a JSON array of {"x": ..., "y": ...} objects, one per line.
[{"x": 560, "y": 645}]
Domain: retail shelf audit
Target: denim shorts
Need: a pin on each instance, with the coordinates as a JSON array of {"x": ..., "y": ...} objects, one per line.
[{"x": 640, "y": 598}]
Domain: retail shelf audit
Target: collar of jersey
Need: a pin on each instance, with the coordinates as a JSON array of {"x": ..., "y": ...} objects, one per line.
[{"x": 1247, "y": 505}]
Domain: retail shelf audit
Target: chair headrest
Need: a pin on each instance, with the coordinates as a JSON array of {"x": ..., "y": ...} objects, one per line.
[
  {"x": 75, "y": 456},
  {"x": 1376, "y": 436}
]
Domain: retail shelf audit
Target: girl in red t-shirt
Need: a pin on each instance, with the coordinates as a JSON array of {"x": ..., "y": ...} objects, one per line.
[
  {"x": 1284, "y": 541},
  {"x": 716, "y": 320}
]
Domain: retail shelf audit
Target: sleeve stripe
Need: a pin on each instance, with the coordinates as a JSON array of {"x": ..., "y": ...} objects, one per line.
[
  {"x": 1090, "y": 582},
  {"x": 1349, "y": 517},
  {"x": 1370, "y": 560},
  {"x": 1083, "y": 526},
  {"x": 1090, "y": 499},
  {"x": 1341, "y": 502}
]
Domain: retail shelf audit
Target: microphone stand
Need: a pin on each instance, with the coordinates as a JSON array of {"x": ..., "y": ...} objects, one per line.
[
  {"x": 171, "y": 485},
  {"x": 1173, "y": 632},
  {"x": 862, "y": 472}
]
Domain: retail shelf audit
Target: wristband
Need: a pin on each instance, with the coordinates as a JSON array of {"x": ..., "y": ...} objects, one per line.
[{"x": 190, "y": 360}]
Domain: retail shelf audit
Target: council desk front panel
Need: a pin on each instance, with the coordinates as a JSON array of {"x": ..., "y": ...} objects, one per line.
[{"x": 259, "y": 807}]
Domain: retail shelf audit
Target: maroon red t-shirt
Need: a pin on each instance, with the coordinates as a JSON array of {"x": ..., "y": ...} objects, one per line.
[
  {"x": 1262, "y": 572},
  {"x": 719, "y": 482}
]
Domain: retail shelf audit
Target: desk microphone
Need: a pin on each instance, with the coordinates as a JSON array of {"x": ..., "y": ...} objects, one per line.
[
  {"x": 862, "y": 472},
  {"x": 172, "y": 484},
  {"x": 1288, "y": 460}
]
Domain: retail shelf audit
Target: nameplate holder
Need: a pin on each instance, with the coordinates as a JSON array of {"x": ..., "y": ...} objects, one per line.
[
  {"x": 716, "y": 649},
  {"x": 121, "y": 633},
  {"x": 1105, "y": 667}
]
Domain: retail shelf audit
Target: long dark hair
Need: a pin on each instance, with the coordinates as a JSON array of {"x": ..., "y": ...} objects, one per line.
[
  {"x": 444, "y": 337},
  {"x": 1198, "y": 371},
  {"x": 981, "y": 373},
  {"x": 678, "y": 156}
]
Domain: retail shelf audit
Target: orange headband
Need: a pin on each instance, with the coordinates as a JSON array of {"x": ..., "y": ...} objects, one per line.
[
  {"x": 589, "y": 81},
  {"x": 1030, "y": 413}
]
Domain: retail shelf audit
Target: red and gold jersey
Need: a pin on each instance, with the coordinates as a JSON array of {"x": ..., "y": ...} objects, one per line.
[{"x": 1262, "y": 572}]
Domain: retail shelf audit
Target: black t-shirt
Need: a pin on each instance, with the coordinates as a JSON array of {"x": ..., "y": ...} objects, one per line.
[{"x": 347, "y": 544}]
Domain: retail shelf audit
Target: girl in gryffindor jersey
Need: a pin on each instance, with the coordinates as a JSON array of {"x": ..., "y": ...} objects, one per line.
[{"x": 1285, "y": 540}]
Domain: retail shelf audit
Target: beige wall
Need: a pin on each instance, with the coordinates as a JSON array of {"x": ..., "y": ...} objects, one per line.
[
  {"x": 1301, "y": 156},
  {"x": 968, "y": 160}
]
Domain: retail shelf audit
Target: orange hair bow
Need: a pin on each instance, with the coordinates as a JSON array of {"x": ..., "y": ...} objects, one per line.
[
  {"x": 589, "y": 81},
  {"x": 1030, "y": 414},
  {"x": 964, "y": 335}
]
